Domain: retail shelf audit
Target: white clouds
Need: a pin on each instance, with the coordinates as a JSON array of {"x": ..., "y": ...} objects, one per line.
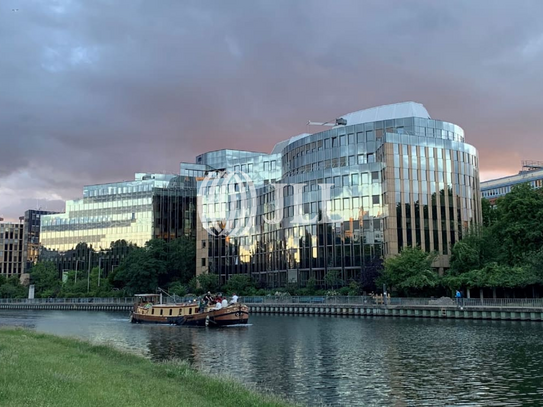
[
  {"x": 533, "y": 47},
  {"x": 23, "y": 190},
  {"x": 58, "y": 59},
  {"x": 233, "y": 47},
  {"x": 59, "y": 6}
]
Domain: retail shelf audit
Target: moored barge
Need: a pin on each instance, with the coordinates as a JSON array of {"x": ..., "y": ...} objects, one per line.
[{"x": 148, "y": 309}]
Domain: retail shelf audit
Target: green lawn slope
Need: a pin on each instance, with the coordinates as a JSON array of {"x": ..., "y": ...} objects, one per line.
[{"x": 45, "y": 370}]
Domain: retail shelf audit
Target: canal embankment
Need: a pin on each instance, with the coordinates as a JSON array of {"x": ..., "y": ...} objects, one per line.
[
  {"x": 43, "y": 369},
  {"x": 445, "y": 308}
]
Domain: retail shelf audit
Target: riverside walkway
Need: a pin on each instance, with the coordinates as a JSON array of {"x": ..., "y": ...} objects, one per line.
[{"x": 529, "y": 309}]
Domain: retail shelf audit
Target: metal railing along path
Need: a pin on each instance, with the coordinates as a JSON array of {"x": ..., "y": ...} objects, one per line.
[
  {"x": 311, "y": 300},
  {"x": 394, "y": 301},
  {"x": 90, "y": 300}
]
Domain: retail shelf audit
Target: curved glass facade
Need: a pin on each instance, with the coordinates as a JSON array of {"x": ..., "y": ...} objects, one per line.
[{"x": 409, "y": 181}]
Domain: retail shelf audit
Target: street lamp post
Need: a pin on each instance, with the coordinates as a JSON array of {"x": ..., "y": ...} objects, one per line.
[
  {"x": 89, "y": 271},
  {"x": 76, "y": 264},
  {"x": 99, "y": 269}
]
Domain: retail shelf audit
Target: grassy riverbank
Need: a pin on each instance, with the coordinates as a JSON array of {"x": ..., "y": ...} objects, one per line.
[{"x": 45, "y": 370}]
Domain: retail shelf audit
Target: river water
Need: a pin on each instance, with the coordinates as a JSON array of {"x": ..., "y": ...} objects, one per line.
[{"x": 337, "y": 360}]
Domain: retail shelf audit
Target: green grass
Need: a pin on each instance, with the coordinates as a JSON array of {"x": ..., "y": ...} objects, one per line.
[{"x": 44, "y": 370}]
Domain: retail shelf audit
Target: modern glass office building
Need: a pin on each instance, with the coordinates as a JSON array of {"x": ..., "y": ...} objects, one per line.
[
  {"x": 531, "y": 173},
  {"x": 31, "y": 236},
  {"x": 395, "y": 177},
  {"x": 151, "y": 206}
]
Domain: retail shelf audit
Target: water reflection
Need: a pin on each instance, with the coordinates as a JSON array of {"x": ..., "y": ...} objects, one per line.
[{"x": 338, "y": 361}]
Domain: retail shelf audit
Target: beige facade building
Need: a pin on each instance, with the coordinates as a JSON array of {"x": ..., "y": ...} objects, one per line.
[{"x": 11, "y": 249}]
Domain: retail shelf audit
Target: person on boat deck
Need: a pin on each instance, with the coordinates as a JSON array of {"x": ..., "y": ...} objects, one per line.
[
  {"x": 218, "y": 305},
  {"x": 234, "y": 299},
  {"x": 202, "y": 304},
  {"x": 224, "y": 303}
]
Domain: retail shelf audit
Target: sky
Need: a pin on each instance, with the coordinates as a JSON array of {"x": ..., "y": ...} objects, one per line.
[{"x": 95, "y": 91}]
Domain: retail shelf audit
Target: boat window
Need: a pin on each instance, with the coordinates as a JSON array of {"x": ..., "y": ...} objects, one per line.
[
  {"x": 171, "y": 311},
  {"x": 190, "y": 311},
  {"x": 153, "y": 311},
  {"x": 180, "y": 311},
  {"x": 161, "y": 311}
]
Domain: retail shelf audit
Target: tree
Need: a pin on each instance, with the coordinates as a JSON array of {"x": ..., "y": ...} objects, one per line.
[
  {"x": 410, "y": 271},
  {"x": 333, "y": 279},
  {"x": 490, "y": 213},
  {"x": 158, "y": 264},
  {"x": 176, "y": 288},
  {"x": 239, "y": 284},
  {"x": 311, "y": 286},
  {"x": 12, "y": 288},
  {"x": 477, "y": 248},
  {"x": 181, "y": 259},
  {"x": 209, "y": 282},
  {"x": 519, "y": 227},
  {"x": 139, "y": 272},
  {"x": 45, "y": 278}
]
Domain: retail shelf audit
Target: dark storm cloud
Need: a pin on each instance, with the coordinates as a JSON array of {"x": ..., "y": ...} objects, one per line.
[{"x": 93, "y": 91}]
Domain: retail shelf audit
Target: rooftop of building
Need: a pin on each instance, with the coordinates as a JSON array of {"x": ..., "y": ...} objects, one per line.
[
  {"x": 372, "y": 114},
  {"x": 531, "y": 170},
  {"x": 386, "y": 112}
]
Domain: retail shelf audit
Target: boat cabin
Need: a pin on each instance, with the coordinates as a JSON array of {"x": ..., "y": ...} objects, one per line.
[{"x": 151, "y": 305}]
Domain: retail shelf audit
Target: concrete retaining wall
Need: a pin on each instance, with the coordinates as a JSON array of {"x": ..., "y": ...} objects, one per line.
[
  {"x": 497, "y": 313},
  {"x": 70, "y": 307}
]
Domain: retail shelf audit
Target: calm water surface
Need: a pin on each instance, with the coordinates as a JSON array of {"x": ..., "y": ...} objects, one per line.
[{"x": 335, "y": 360}]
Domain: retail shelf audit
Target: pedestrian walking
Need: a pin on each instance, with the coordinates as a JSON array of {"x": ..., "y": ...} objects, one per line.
[{"x": 458, "y": 296}]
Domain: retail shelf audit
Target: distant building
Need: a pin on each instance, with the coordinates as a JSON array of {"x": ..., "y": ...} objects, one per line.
[
  {"x": 400, "y": 178},
  {"x": 11, "y": 249},
  {"x": 31, "y": 237},
  {"x": 531, "y": 173},
  {"x": 129, "y": 212}
]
